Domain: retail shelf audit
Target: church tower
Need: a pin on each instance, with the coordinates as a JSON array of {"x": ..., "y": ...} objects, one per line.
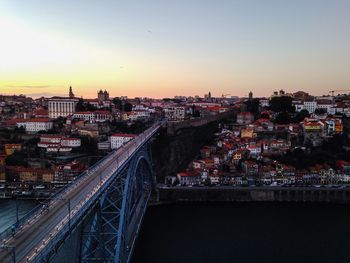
[
  {"x": 71, "y": 94},
  {"x": 250, "y": 95}
]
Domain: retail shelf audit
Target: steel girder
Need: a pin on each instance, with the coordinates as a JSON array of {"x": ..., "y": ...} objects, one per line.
[{"x": 108, "y": 234}]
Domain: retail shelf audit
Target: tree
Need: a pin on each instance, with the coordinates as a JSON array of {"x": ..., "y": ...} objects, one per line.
[
  {"x": 59, "y": 123},
  {"x": 51, "y": 131},
  {"x": 80, "y": 105},
  {"x": 253, "y": 106},
  {"x": 117, "y": 102},
  {"x": 122, "y": 105},
  {"x": 301, "y": 116},
  {"x": 88, "y": 144},
  {"x": 17, "y": 158},
  {"x": 320, "y": 111},
  {"x": 84, "y": 106},
  {"x": 19, "y": 130},
  {"x": 281, "y": 104},
  {"x": 128, "y": 107},
  {"x": 335, "y": 144},
  {"x": 283, "y": 118},
  {"x": 264, "y": 116},
  {"x": 196, "y": 113}
]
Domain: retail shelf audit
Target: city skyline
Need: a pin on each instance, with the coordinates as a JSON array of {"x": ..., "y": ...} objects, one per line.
[{"x": 161, "y": 49}]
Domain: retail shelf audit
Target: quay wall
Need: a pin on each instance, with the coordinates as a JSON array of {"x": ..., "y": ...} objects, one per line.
[{"x": 272, "y": 194}]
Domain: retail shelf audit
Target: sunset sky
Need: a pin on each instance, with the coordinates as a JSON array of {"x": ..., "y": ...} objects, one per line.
[{"x": 166, "y": 48}]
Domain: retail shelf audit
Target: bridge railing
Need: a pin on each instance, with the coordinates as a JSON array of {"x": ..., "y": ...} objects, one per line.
[
  {"x": 137, "y": 143},
  {"x": 39, "y": 210}
]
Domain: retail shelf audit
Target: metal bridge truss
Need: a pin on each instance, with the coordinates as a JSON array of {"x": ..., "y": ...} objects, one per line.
[
  {"x": 109, "y": 232},
  {"x": 110, "y": 225}
]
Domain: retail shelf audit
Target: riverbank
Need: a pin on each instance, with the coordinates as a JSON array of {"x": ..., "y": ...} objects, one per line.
[{"x": 253, "y": 194}]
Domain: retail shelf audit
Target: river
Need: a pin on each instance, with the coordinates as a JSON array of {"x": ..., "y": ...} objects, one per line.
[
  {"x": 244, "y": 232},
  {"x": 8, "y": 211},
  {"x": 234, "y": 232}
]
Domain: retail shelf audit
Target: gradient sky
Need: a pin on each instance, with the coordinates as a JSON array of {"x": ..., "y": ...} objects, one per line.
[{"x": 166, "y": 48}]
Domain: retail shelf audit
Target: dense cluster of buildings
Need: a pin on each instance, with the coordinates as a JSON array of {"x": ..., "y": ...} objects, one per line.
[
  {"x": 45, "y": 129},
  {"x": 333, "y": 104},
  {"x": 58, "y": 174},
  {"x": 238, "y": 159},
  {"x": 244, "y": 152},
  {"x": 248, "y": 151},
  {"x": 58, "y": 143}
]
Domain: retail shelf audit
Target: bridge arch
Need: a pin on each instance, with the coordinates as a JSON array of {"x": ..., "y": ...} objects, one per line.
[
  {"x": 114, "y": 225},
  {"x": 135, "y": 196}
]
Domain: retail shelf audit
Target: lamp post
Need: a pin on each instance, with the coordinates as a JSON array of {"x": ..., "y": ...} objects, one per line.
[
  {"x": 17, "y": 212},
  {"x": 69, "y": 214}
]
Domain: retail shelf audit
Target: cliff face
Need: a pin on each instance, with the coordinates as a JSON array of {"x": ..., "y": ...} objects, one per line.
[{"x": 173, "y": 153}]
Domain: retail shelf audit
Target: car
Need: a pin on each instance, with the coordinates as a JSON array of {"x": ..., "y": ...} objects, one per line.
[{"x": 39, "y": 187}]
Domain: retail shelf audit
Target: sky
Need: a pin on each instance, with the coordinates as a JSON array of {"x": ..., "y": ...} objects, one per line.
[{"x": 165, "y": 48}]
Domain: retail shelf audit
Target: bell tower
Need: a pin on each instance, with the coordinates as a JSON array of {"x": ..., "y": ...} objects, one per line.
[{"x": 71, "y": 94}]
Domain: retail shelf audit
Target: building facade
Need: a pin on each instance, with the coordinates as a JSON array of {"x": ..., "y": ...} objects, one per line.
[
  {"x": 36, "y": 124},
  {"x": 62, "y": 107},
  {"x": 175, "y": 113},
  {"x": 118, "y": 139}
]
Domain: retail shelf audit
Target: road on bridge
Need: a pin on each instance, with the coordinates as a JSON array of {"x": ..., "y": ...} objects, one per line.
[{"x": 33, "y": 236}]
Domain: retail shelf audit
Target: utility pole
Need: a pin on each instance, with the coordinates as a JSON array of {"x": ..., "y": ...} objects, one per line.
[
  {"x": 69, "y": 213},
  {"x": 14, "y": 254},
  {"x": 17, "y": 213}
]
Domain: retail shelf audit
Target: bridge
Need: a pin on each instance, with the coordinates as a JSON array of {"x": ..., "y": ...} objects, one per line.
[{"x": 106, "y": 203}]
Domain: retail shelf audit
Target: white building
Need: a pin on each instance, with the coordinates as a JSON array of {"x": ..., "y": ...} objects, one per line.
[
  {"x": 71, "y": 142},
  {"x": 51, "y": 138},
  {"x": 36, "y": 124},
  {"x": 118, "y": 139},
  {"x": 189, "y": 178},
  {"x": 102, "y": 115},
  {"x": 310, "y": 106},
  {"x": 264, "y": 102},
  {"x": 84, "y": 115},
  {"x": 326, "y": 105},
  {"x": 139, "y": 107},
  {"x": 58, "y": 143},
  {"x": 174, "y": 113},
  {"x": 59, "y": 149},
  {"x": 92, "y": 117},
  {"x": 299, "y": 106},
  {"x": 61, "y": 107},
  {"x": 136, "y": 115},
  {"x": 104, "y": 146},
  {"x": 142, "y": 114},
  {"x": 98, "y": 104}
]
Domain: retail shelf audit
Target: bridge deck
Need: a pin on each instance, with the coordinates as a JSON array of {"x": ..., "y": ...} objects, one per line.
[{"x": 38, "y": 232}]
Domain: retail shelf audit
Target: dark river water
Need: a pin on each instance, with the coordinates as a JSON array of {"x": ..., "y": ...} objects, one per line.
[
  {"x": 8, "y": 211},
  {"x": 245, "y": 232},
  {"x": 235, "y": 232}
]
